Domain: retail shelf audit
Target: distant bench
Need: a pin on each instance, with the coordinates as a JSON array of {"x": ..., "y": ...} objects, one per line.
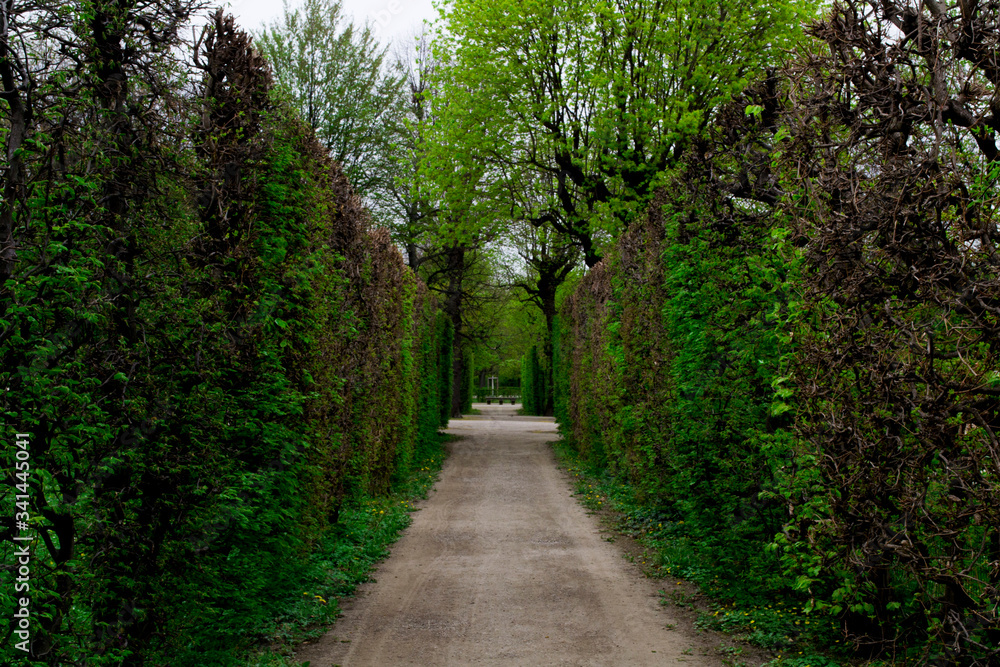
[{"x": 501, "y": 399}]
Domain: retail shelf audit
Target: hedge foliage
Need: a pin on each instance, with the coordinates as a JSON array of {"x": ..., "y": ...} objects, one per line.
[
  {"x": 209, "y": 347},
  {"x": 792, "y": 358},
  {"x": 534, "y": 392},
  {"x": 468, "y": 386},
  {"x": 664, "y": 370}
]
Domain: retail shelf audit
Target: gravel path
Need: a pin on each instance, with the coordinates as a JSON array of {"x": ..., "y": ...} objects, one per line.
[{"x": 502, "y": 567}]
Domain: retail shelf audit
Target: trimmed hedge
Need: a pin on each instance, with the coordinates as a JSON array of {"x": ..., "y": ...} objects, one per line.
[
  {"x": 792, "y": 358},
  {"x": 534, "y": 392},
  {"x": 211, "y": 352},
  {"x": 664, "y": 364}
]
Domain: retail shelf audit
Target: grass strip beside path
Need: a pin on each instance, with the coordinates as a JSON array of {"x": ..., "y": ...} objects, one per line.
[
  {"x": 366, "y": 529},
  {"x": 771, "y": 621}
]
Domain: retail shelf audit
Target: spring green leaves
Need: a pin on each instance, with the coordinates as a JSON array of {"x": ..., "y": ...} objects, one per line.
[{"x": 571, "y": 108}]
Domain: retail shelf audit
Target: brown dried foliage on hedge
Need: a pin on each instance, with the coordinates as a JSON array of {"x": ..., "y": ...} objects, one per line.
[
  {"x": 587, "y": 367},
  {"x": 235, "y": 89}
]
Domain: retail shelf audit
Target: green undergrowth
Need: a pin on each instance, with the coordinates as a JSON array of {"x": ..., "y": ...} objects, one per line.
[
  {"x": 758, "y": 612},
  {"x": 366, "y": 529}
]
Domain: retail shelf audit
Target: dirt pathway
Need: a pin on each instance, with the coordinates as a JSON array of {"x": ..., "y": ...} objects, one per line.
[{"x": 502, "y": 567}]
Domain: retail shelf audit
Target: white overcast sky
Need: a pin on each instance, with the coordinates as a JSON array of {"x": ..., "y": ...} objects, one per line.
[{"x": 393, "y": 19}]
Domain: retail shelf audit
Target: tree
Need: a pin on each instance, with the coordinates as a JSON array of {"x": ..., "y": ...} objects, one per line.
[
  {"x": 461, "y": 274},
  {"x": 549, "y": 259},
  {"x": 18, "y": 93},
  {"x": 408, "y": 197},
  {"x": 342, "y": 83},
  {"x": 597, "y": 97}
]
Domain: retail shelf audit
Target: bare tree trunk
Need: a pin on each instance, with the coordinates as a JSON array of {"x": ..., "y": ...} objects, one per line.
[{"x": 16, "y": 82}]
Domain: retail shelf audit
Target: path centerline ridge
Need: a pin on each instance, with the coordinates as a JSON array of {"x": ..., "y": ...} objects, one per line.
[{"x": 503, "y": 567}]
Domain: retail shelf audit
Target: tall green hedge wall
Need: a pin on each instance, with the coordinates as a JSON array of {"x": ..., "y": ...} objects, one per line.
[
  {"x": 534, "y": 393},
  {"x": 210, "y": 350},
  {"x": 664, "y": 364},
  {"x": 468, "y": 386},
  {"x": 792, "y": 358}
]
